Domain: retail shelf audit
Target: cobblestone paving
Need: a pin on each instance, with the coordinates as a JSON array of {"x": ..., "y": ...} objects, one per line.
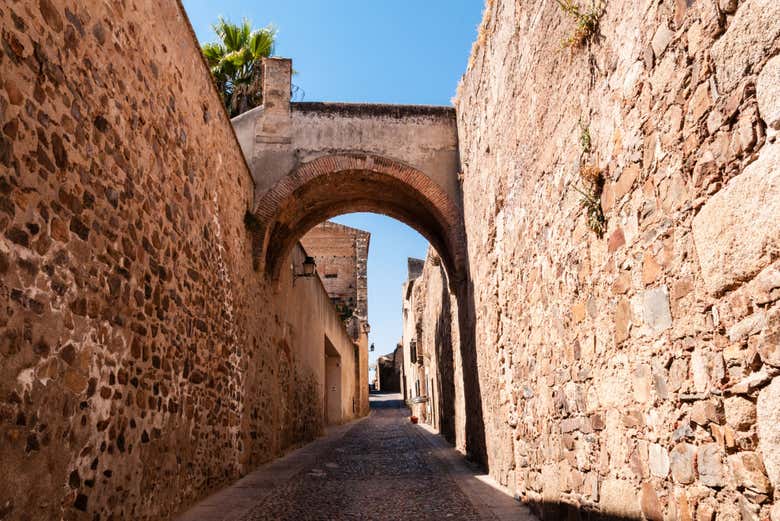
[{"x": 381, "y": 469}]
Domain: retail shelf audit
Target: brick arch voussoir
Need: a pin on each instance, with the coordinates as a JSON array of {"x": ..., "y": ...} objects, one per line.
[{"x": 448, "y": 213}]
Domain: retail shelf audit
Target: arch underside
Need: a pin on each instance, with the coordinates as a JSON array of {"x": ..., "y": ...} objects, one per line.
[{"x": 334, "y": 185}]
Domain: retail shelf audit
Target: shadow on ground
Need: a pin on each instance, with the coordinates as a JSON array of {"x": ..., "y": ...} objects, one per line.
[{"x": 550, "y": 511}]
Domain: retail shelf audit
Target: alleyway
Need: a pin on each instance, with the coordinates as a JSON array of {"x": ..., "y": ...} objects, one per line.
[{"x": 379, "y": 468}]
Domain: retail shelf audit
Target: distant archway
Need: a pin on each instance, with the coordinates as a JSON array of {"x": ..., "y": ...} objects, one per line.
[{"x": 336, "y": 184}]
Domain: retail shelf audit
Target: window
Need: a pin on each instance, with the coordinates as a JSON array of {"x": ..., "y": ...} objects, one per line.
[{"x": 331, "y": 275}]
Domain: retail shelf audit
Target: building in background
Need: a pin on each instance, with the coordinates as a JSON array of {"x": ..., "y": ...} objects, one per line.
[
  {"x": 389, "y": 369},
  {"x": 419, "y": 358},
  {"x": 341, "y": 254}
]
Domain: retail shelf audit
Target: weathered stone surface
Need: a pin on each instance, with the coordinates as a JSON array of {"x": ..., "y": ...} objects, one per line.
[
  {"x": 747, "y": 326},
  {"x": 622, "y": 320},
  {"x": 658, "y": 459},
  {"x": 672, "y": 139},
  {"x": 752, "y": 382},
  {"x": 700, "y": 371},
  {"x": 740, "y": 412},
  {"x": 619, "y": 498},
  {"x": 655, "y": 309},
  {"x": 748, "y": 470},
  {"x": 735, "y": 240},
  {"x": 768, "y": 416},
  {"x": 663, "y": 35},
  {"x": 710, "y": 465},
  {"x": 706, "y": 510},
  {"x": 755, "y": 26},
  {"x": 651, "y": 507},
  {"x": 775, "y": 512},
  {"x": 106, "y": 246},
  {"x": 727, "y": 6},
  {"x": 143, "y": 361},
  {"x": 682, "y": 464},
  {"x": 768, "y": 93},
  {"x": 704, "y": 412},
  {"x": 770, "y": 341}
]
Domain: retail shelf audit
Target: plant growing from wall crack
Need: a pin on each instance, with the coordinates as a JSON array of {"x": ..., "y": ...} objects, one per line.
[
  {"x": 586, "y": 18},
  {"x": 593, "y": 185},
  {"x": 584, "y": 138},
  {"x": 593, "y": 181}
]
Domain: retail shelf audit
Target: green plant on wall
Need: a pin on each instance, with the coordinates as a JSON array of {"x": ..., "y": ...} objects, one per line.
[
  {"x": 345, "y": 311},
  {"x": 585, "y": 18},
  {"x": 593, "y": 181},
  {"x": 584, "y": 138},
  {"x": 592, "y": 185}
]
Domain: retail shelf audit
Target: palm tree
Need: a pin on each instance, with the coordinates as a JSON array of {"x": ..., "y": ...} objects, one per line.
[{"x": 235, "y": 63}]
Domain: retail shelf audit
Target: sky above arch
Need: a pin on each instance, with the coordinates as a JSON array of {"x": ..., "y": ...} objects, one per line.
[
  {"x": 369, "y": 51},
  {"x": 379, "y": 51}
]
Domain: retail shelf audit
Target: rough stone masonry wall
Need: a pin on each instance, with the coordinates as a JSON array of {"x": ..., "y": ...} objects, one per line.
[
  {"x": 634, "y": 375},
  {"x": 142, "y": 361},
  {"x": 431, "y": 320}
]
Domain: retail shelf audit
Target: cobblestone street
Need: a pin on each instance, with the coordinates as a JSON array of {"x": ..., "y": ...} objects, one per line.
[{"x": 379, "y": 468}]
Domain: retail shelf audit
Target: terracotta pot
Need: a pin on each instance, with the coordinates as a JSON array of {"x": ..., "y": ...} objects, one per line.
[{"x": 413, "y": 419}]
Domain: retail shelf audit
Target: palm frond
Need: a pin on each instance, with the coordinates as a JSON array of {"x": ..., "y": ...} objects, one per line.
[
  {"x": 261, "y": 42},
  {"x": 234, "y": 62}
]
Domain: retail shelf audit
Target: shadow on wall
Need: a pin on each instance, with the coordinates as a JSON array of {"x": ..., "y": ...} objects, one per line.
[
  {"x": 551, "y": 511},
  {"x": 444, "y": 356},
  {"x": 476, "y": 448}
]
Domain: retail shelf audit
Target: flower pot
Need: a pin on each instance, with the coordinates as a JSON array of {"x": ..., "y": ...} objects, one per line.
[{"x": 413, "y": 419}]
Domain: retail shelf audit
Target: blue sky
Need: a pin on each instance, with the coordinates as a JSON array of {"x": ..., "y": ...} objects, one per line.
[{"x": 380, "y": 51}]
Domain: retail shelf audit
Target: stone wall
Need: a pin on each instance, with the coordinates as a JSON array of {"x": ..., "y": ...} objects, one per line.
[
  {"x": 143, "y": 362},
  {"x": 635, "y": 374},
  {"x": 428, "y": 325}
]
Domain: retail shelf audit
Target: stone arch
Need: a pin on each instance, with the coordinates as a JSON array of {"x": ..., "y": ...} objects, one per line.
[{"x": 336, "y": 184}]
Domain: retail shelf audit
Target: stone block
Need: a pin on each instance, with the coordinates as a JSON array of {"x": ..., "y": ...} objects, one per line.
[
  {"x": 663, "y": 35},
  {"x": 768, "y": 420},
  {"x": 700, "y": 371},
  {"x": 651, "y": 507},
  {"x": 748, "y": 470},
  {"x": 622, "y": 320},
  {"x": 706, "y": 411},
  {"x": 656, "y": 314},
  {"x": 658, "y": 460},
  {"x": 747, "y": 326},
  {"x": 682, "y": 461},
  {"x": 769, "y": 348},
  {"x": 745, "y": 43},
  {"x": 752, "y": 382},
  {"x": 768, "y": 93},
  {"x": 737, "y": 232},
  {"x": 710, "y": 465},
  {"x": 740, "y": 412},
  {"x": 619, "y": 498},
  {"x": 616, "y": 240},
  {"x": 706, "y": 510}
]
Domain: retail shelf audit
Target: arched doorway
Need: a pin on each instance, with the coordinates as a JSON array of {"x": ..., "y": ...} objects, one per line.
[{"x": 336, "y": 184}]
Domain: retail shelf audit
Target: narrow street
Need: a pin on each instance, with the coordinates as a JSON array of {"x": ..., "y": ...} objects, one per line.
[{"x": 378, "y": 468}]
